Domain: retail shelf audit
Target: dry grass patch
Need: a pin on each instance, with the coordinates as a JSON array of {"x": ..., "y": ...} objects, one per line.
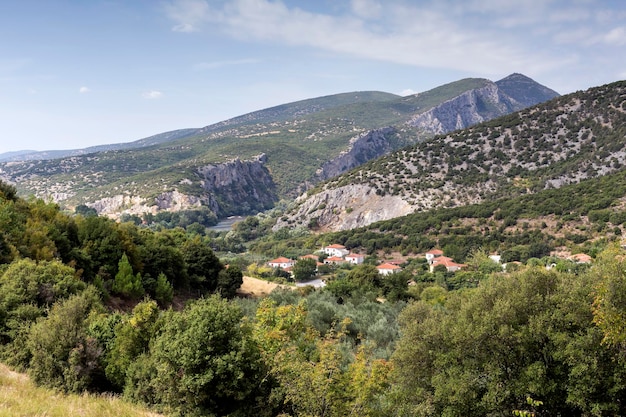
[{"x": 20, "y": 397}]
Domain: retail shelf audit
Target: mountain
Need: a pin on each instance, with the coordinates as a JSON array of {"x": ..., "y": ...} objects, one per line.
[
  {"x": 246, "y": 164},
  {"x": 563, "y": 141},
  {"x": 149, "y": 141}
]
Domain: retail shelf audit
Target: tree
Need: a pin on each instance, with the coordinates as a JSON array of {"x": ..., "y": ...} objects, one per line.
[
  {"x": 229, "y": 280},
  {"x": 126, "y": 283},
  {"x": 304, "y": 269},
  {"x": 202, "y": 265},
  {"x": 64, "y": 357},
  {"x": 164, "y": 292},
  {"x": 132, "y": 336},
  {"x": 203, "y": 362}
]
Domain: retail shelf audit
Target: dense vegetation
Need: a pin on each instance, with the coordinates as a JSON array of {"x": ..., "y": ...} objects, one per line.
[{"x": 84, "y": 307}]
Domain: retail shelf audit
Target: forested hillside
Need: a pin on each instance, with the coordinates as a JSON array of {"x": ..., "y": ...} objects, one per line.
[
  {"x": 568, "y": 139},
  {"x": 297, "y": 145},
  {"x": 87, "y": 304}
]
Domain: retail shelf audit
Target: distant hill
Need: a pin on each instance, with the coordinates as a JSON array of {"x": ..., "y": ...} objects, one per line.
[
  {"x": 245, "y": 164},
  {"x": 562, "y": 141},
  {"x": 149, "y": 141}
]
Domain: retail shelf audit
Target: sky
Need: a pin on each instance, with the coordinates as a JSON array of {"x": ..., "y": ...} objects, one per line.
[{"x": 78, "y": 73}]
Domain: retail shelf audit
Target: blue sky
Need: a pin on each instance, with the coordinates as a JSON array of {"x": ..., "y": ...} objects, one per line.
[{"x": 76, "y": 73}]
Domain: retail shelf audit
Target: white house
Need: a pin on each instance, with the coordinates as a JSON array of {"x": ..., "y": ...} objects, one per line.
[
  {"x": 336, "y": 250},
  {"x": 355, "y": 258},
  {"x": 432, "y": 254},
  {"x": 386, "y": 269},
  {"x": 281, "y": 262}
]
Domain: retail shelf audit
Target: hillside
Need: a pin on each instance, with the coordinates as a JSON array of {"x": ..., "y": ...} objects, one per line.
[
  {"x": 563, "y": 141},
  {"x": 266, "y": 155},
  {"x": 19, "y": 397}
]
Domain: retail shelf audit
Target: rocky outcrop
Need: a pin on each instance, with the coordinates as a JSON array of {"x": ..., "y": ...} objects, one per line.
[
  {"x": 467, "y": 109},
  {"x": 361, "y": 149},
  {"x": 345, "y": 208},
  {"x": 127, "y": 204},
  {"x": 238, "y": 187}
]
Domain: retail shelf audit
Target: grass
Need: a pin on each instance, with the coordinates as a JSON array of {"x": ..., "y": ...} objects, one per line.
[{"x": 20, "y": 397}]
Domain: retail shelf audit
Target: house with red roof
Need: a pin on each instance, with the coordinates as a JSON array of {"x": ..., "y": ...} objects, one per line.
[
  {"x": 432, "y": 254},
  {"x": 336, "y": 250},
  {"x": 450, "y": 265},
  {"x": 334, "y": 260},
  {"x": 355, "y": 258},
  {"x": 386, "y": 269},
  {"x": 281, "y": 262}
]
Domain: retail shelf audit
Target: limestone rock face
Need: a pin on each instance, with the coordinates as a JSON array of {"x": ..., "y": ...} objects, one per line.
[
  {"x": 467, "y": 109},
  {"x": 345, "y": 208},
  {"x": 362, "y": 148},
  {"x": 238, "y": 187}
]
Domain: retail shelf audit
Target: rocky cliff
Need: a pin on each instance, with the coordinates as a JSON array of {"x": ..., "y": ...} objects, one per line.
[
  {"x": 361, "y": 149},
  {"x": 345, "y": 208},
  {"x": 472, "y": 107},
  {"x": 238, "y": 187}
]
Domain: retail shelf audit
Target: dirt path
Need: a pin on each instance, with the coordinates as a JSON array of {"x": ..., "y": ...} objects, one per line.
[{"x": 254, "y": 287}]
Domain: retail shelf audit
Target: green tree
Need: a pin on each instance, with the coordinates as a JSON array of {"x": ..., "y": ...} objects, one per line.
[
  {"x": 164, "y": 292},
  {"x": 304, "y": 269},
  {"x": 64, "y": 357},
  {"x": 202, "y": 265},
  {"x": 229, "y": 280},
  {"x": 203, "y": 362},
  {"x": 132, "y": 337},
  {"x": 126, "y": 283}
]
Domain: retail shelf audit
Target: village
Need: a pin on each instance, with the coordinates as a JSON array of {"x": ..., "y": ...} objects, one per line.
[{"x": 336, "y": 255}]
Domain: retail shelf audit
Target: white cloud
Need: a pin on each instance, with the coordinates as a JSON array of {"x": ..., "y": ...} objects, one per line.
[
  {"x": 152, "y": 95},
  {"x": 616, "y": 37},
  {"x": 368, "y": 9},
  {"x": 219, "y": 64},
  {"x": 84, "y": 90},
  {"x": 461, "y": 36},
  {"x": 187, "y": 14}
]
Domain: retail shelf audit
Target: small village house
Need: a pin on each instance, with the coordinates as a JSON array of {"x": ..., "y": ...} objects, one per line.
[{"x": 336, "y": 250}]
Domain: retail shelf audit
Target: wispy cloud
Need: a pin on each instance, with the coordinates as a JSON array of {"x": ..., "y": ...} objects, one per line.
[
  {"x": 84, "y": 90},
  {"x": 187, "y": 14},
  {"x": 479, "y": 36},
  {"x": 152, "y": 95},
  {"x": 407, "y": 92},
  {"x": 219, "y": 64}
]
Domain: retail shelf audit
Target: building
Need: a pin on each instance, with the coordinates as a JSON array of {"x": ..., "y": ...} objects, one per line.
[
  {"x": 336, "y": 250},
  {"x": 386, "y": 269},
  {"x": 281, "y": 262},
  {"x": 450, "y": 265},
  {"x": 334, "y": 260},
  {"x": 432, "y": 254},
  {"x": 355, "y": 258}
]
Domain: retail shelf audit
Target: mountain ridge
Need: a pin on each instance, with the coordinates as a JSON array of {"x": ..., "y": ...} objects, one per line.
[
  {"x": 573, "y": 137},
  {"x": 300, "y": 141}
]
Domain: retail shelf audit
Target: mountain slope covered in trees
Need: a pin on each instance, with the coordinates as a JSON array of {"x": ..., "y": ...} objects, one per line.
[
  {"x": 568, "y": 139},
  {"x": 296, "y": 144}
]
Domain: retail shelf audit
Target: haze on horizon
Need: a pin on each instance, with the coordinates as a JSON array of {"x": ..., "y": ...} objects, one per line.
[{"x": 78, "y": 74}]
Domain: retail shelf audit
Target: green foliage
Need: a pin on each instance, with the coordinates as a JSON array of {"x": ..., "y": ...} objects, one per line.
[
  {"x": 203, "y": 267},
  {"x": 164, "y": 292},
  {"x": 304, "y": 269},
  {"x": 487, "y": 349},
  {"x": 63, "y": 355},
  {"x": 204, "y": 361},
  {"x": 229, "y": 280},
  {"x": 132, "y": 338},
  {"x": 126, "y": 283},
  {"x": 27, "y": 290}
]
